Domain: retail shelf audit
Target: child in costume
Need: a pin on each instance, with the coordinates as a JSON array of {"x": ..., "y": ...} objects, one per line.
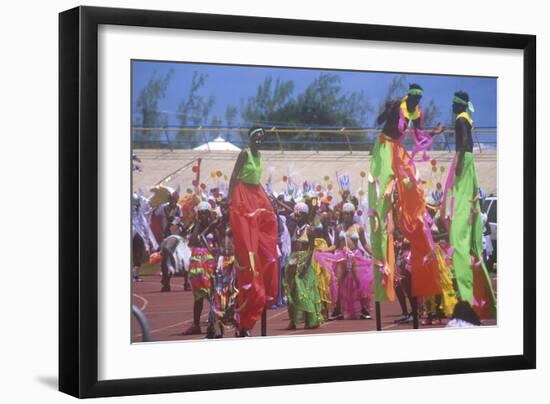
[
  {"x": 223, "y": 298},
  {"x": 353, "y": 270},
  {"x": 304, "y": 303},
  {"x": 202, "y": 263},
  {"x": 324, "y": 247}
]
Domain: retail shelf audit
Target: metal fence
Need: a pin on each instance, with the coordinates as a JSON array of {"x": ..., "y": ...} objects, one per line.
[{"x": 291, "y": 138}]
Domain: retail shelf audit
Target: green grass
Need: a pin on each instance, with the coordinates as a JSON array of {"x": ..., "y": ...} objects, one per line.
[{"x": 147, "y": 269}]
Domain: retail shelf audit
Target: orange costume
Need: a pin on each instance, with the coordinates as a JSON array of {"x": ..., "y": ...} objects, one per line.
[{"x": 393, "y": 168}]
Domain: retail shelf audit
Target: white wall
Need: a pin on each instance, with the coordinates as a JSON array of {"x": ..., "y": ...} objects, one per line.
[{"x": 28, "y": 167}]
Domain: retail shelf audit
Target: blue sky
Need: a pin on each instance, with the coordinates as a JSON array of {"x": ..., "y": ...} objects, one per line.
[{"x": 230, "y": 84}]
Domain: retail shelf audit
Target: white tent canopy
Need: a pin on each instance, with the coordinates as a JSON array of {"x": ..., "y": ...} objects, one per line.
[{"x": 218, "y": 144}]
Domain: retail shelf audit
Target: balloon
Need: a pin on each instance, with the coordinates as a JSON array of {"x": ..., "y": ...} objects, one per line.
[
  {"x": 330, "y": 186},
  {"x": 203, "y": 186},
  {"x": 442, "y": 169},
  {"x": 438, "y": 185},
  {"x": 359, "y": 213},
  {"x": 326, "y": 178},
  {"x": 213, "y": 174},
  {"x": 194, "y": 183},
  {"x": 155, "y": 258},
  {"x": 363, "y": 174},
  {"x": 433, "y": 162},
  {"x": 318, "y": 188},
  {"x": 218, "y": 173},
  {"x": 189, "y": 190},
  {"x": 329, "y": 198},
  {"x": 195, "y": 169},
  {"x": 434, "y": 169},
  {"x": 361, "y": 193},
  {"x": 285, "y": 178}
]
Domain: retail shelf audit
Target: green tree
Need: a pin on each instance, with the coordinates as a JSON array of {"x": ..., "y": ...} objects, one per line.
[
  {"x": 215, "y": 122},
  {"x": 322, "y": 103},
  {"x": 231, "y": 112},
  {"x": 266, "y": 105},
  {"x": 325, "y": 103},
  {"x": 398, "y": 88},
  {"x": 194, "y": 109},
  {"x": 230, "y": 115},
  {"x": 147, "y": 107}
]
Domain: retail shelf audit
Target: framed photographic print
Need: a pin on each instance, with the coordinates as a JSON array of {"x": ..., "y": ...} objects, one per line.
[{"x": 251, "y": 201}]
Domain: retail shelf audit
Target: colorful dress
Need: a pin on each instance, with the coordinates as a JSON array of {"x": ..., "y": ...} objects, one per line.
[
  {"x": 392, "y": 166},
  {"x": 254, "y": 226},
  {"x": 201, "y": 271},
  {"x": 223, "y": 297},
  {"x": 462, "y": 210},
  {"x": 304, "y": 303},
  {"x": 353, "y": 293},
  {"x": 325, "y": 277}
]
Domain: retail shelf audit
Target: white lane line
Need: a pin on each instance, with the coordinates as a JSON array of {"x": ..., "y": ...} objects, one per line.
[
  {"x": 277, "y": 315},
  {"x": 144, "y": 300},
  {"x": 170, "y": 326}
]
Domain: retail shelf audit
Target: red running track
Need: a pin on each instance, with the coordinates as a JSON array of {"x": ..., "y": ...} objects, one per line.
[{"x": 171, "y": 313}]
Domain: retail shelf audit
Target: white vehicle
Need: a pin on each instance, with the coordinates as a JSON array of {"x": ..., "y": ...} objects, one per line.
[{"x": 490, "y": 209}]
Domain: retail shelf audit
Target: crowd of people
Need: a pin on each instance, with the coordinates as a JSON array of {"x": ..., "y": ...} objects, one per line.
[{"x": 326, "y": 254}]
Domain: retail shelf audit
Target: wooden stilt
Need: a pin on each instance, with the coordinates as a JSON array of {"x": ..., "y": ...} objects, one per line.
[
  {"x": 415, "y": 312},
  {"x": 378, "y": 316},
  {"x": 264, "y": 323}
]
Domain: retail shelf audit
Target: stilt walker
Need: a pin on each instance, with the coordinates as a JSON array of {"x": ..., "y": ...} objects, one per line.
[
  {"x": 254, "y": 227},
  {"x": 462, "y": 209},
  {"x": 392, "y": 166}
]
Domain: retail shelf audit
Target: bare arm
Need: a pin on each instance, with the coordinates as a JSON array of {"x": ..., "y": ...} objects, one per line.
[
  {"x": 419, "y": 125},
  {"x": 363, "y": 240},
  {"x": 461, "y": 134},
  {"x": 311, "y": 243},
  {"x": 385, "y": 113},
  {"x": 236, "y": 170}
]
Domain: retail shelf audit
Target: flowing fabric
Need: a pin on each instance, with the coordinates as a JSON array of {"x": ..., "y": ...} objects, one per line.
[
  {"x": 392, "y": 166},
  {"x": 187, "y": 205},
  {"x": 157, "y": 227},
  {"x": 179, "y": 257},
  {"x": 448, "y": 293},
  {"x": 381, "y": 176},
  {"x": 466, "y": 232},
  {"x": 254, "y": 227},
  {"x": 324, "y": 275},
  {"x": 304, "y": 303},
  {"x": 224, "y": 296},
  {"x": 327, "y": 260},
  {"x": 423, "y": 141},
  {"x": 202, "y": 265},
  {"x": 352, "y": 292}
]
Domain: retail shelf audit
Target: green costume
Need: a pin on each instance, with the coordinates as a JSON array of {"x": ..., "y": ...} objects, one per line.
[
  {"x": 466, "y": 234},
  {"x": 304, "y": 302}
]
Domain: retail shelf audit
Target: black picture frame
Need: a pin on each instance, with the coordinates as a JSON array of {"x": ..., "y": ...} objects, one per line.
[{"x": 78, "y": 196}]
